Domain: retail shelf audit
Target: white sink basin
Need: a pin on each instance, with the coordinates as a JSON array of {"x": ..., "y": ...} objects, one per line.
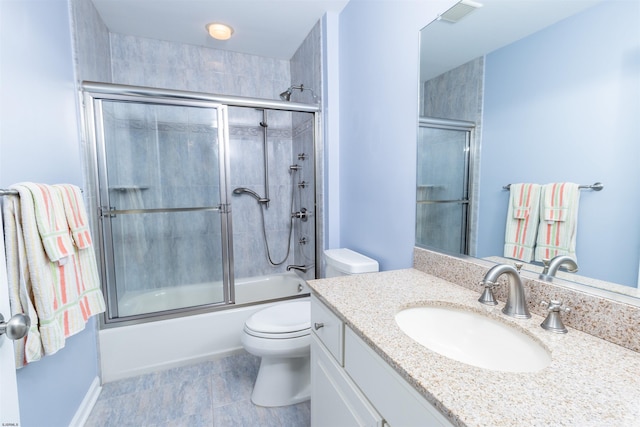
[{"x": 473, "y": 338}]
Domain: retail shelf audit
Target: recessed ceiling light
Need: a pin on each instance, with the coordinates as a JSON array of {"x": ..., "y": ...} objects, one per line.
[{"x": 219, "y": 31}]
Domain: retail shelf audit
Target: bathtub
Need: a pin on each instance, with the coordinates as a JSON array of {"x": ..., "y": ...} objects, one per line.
[
  {"x": 127, "y": 351},
  {"x": 247, "y": 291}
]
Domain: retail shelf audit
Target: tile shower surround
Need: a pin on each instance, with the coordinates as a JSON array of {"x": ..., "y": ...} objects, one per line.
[
  {"x": 162, "y": 64},
  {"x": 144, "y": 148},
  {"x": 247, "y": 170},
  {"x": 607, "y": 319},
  {"x": 156, "y": 63}
]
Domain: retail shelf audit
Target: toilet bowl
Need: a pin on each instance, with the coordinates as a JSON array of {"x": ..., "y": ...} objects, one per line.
[{"x": 280, "y": 335}]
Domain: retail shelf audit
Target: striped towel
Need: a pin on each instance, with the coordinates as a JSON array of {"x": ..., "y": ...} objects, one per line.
[
  {"x": 29, "y": 348},
  {"x": 522, "y": 221},
  {"x": 76, "y": 215},
  {"x": 86, "y": 274},
  {"x": 51, "y": 221},
  {"x": 64, "y": 295},
  {"x": 558, "y": 221}
]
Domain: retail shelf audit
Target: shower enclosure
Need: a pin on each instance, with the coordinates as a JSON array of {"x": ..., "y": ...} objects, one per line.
[{"x": 195, "y": 193}]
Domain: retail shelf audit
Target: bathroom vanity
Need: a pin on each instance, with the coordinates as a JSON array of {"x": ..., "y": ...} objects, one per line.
[
  {"x": 366, "y": 371},
  {"x": 352, "y": 385}
]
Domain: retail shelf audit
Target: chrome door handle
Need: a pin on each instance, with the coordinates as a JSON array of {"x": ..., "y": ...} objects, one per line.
[{"x": 16, "y": 328}]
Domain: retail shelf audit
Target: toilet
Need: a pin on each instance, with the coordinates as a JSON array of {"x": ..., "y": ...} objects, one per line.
[
  {"x": 344, "y": 262},
  {"x": 280, "y": 336}
]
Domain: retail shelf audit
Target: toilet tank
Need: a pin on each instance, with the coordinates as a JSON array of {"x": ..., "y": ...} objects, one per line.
[{"x": 343, "y": 262}]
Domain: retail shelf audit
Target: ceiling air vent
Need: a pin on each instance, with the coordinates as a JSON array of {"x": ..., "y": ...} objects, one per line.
[{"x": 459, "y": 11}]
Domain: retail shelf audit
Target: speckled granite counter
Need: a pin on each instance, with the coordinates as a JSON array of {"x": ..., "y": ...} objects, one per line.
[{"x": 590, "y": 382}]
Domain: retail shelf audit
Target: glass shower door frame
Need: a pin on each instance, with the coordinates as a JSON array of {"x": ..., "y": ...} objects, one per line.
[{"x": 95, "y": 125}]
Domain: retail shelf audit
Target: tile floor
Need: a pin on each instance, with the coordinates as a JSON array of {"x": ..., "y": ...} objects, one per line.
[{"x": 213, "y": 393}]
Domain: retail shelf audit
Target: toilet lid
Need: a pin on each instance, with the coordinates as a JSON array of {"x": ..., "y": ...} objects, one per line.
[{"x": 281, "y": 318}]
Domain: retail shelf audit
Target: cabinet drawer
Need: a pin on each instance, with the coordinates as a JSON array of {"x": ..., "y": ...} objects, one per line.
[
  {"x": 398, "y": 402},
  {"x": 328, "y": 328},
  {"x": 335, "y": 400}
]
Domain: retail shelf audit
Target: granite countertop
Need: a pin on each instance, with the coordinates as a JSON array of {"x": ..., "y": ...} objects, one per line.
[{"x": 589, "y": 382}]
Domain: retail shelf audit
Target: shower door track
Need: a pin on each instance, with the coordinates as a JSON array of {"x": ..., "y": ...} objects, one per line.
[
  {"x": 115, "y": 91},
  {"x": 164, "y": 210}
]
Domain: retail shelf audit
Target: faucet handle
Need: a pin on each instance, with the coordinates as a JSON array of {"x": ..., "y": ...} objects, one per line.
[
  {"x": 545, "y": 263},
  {"x": 487, "y": 296},
  {"x": 553, "y": 322},
  {"x": 555, "y": 305},
  {"x": 518, "y": 266}
]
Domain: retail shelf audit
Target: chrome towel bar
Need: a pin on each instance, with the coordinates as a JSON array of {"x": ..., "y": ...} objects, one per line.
[{"x": 595, "y": 186}]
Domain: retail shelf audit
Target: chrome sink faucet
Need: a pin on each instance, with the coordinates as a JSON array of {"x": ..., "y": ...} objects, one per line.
[
  {"x": 551, "y": 267},
  {"x": 516, "y": 305}
]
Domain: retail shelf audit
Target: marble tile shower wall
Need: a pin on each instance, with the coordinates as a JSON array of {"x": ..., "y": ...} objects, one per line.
[
  {"x": 161, "y": 64},
  {"x": 163, "y": 157},
  {"x": 246, "y": 147},
  {"x": 306, "y": 68},
  {"x": 304, "y": 231},
  {"x": 306, "y": 65},
  {"x": 170, "y": 65},
  {"x": 90, "y": 43}
]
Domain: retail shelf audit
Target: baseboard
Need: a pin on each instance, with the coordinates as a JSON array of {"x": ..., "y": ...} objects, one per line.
[{"x": 83, "y": 412}]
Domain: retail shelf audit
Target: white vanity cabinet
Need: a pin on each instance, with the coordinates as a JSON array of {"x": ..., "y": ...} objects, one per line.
[
  {"x": 351, "y": 385},
  {"x": 335, "y": 400}
]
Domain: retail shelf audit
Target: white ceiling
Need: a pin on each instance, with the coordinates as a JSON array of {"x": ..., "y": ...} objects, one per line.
[
  {"x": 276, "y": 28},
  {"x": 271, "y": 28},
  {"x": 496, "y": 24}
]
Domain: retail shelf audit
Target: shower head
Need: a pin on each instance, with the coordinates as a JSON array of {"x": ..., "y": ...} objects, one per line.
[
  {"x": 242, "y": 190},
  {"x": 286, "y": 95}
]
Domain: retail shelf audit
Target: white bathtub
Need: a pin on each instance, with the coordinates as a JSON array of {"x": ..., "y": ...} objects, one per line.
[
  {"x": 127, "y": 351},
  {"x": 247, "y": 290}
]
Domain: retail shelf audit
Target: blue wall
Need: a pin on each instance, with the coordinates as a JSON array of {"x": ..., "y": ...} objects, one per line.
[
  {"x": 379, "y": 43},
  {"x": 39, "y": 142},
  {"x": 577, "y": 122}
]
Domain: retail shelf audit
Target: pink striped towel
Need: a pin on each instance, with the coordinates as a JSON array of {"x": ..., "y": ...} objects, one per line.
[
  {"x": 76, "y": 215},
  {"x": 66, "y": 294},
  {"x": 51, "y": 221},
  {"x": 523, "y": 214},
  {"x": 559, "y": 221}
]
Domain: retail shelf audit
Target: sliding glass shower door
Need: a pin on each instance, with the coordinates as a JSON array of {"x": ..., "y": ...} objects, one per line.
[{"x": 163, "y": 207}]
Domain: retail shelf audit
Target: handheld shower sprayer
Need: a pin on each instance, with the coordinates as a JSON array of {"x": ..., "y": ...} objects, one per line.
[{"x": 242, "y": 190}]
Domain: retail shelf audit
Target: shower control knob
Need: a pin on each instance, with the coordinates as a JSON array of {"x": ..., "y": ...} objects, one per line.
[
  {"x": 302, "y": 215},
  {"x": 16, "y": 327}
]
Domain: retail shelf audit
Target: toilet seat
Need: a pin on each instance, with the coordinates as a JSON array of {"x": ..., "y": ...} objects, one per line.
[{"x": 281, "y": 321}]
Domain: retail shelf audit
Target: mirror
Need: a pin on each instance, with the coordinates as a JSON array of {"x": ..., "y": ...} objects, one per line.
[{"x": 553, "y": 88}]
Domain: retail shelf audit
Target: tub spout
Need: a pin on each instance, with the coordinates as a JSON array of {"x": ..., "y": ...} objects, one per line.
[{"x": 302, "y": 268}]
